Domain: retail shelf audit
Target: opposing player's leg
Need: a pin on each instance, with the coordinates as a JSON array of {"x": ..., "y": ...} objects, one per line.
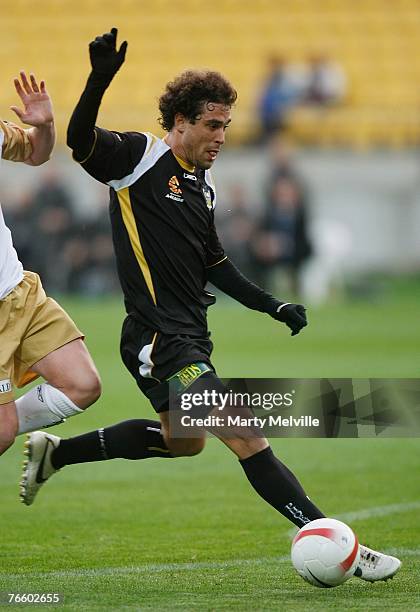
[
  {"x": 51, "y": 346},
  {"x": 72, "y": 384},
  {"x": 8, "y": 425},
  {"x": 10, "y": 329},
  {"x": 71, "y": 370}
]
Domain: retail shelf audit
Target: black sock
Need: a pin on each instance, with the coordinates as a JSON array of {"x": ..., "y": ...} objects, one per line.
[
  {"x": 135, "y": 439},
  {"x": 279, "y": 487}
]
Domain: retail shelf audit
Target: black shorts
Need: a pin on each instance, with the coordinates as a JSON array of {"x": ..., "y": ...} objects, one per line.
[{"x": 152, "y": 357}]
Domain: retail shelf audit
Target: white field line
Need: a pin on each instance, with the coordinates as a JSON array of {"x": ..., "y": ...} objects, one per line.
[
  {"x": 156, "y": 568},
  {"x": 367, "y": 513},
  {"x": 403, "y": 552},
  {"x": 149, "y": 568}
]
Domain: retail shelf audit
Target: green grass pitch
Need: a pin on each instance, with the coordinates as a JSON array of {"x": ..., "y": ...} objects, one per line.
[{"x": 190, "y": 534}]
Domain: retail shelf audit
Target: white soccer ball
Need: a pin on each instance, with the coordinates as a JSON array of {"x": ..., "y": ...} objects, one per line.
[{"x": 325, "y": 552}]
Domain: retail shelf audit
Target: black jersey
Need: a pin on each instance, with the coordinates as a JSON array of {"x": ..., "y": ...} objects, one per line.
[{"x": 162, "y": 216}]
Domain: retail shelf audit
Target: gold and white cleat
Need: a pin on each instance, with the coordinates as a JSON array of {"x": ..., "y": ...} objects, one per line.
[{"x": 38, "y": 467}]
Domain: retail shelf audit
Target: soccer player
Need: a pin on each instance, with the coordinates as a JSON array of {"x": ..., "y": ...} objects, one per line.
[
  {"x": 37, "y": 337},
  {"x": 162, "y": 216}
]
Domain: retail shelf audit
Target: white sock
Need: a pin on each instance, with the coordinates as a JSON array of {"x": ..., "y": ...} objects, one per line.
[{"x": 43, "y": 406}]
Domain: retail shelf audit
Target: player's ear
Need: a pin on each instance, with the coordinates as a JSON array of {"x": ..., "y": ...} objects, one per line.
[{"x": 180, "y": 122}]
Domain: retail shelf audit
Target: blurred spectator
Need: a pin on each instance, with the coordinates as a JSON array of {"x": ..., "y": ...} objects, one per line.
[
  {"x": 71, "y": 254},
  {"x": 90, "y": 258},
  {"x": 282, "y": 243},
  {"x": 263, "y": 243},
  {"x": 52, "y": 192},
  {"x": 324, "y": 276},
  {"x": 282, "y": 90},
  {"x": 76, "y": 258},
  {"x": 20, "y": 216},
  {"x": 282, "y": 163},
  {"x": 236, "y": 229},
  {"x": 326, "y": 82},
  {"x": 53, "y": 228},
  {"x": 266, "y": 251}
]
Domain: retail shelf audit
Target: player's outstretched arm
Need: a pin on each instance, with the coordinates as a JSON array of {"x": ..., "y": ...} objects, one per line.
[
  {"x": 37, "y": 111},
  {"x": 105, "y": 60},
  {"x": 226, "y": 277}
]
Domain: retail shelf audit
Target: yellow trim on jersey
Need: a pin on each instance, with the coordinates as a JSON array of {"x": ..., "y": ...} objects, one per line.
[
  {"x": 184, "y": 164},
  {"x": 151, "y": 351},
  {"x": 83, "y": 161},
  {"x": 130, "y": 224},
  {"x": 217, "y": 262}
]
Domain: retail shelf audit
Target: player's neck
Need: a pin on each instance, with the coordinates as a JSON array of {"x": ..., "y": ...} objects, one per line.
[{"x": 179, "y": 152}]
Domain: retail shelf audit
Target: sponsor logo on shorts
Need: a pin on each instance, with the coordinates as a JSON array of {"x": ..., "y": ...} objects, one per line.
[
  {"x": 188, "y": 374},
  {"x": 5, "y": 385}
]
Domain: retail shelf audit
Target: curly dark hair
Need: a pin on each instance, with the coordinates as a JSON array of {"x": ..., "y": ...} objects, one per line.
[{"x": 189, "y": 91}]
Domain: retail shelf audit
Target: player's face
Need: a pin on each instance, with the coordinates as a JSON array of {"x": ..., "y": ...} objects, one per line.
[{"x": 203, "y": 139}]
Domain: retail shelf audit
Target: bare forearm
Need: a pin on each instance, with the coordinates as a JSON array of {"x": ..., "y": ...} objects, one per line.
[{"x": 42, "y": 139}]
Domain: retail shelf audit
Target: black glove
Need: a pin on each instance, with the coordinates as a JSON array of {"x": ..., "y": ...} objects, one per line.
[
  {"x": 104, "y": 57},
  {"x": 293, "y": 315}
]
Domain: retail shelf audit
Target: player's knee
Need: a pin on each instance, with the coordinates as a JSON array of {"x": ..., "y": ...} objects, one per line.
[
  {"x": 92, "y": 389},
  {"x": 95, "y": 387},
  {"x": 86, "y": 389},
  {"x": 194, "y": 447},
  {"x": 186, "y": 448}
]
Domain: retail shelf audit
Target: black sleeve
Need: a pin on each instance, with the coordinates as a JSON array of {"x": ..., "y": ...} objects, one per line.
[
  {"x": 80, "y": 131},
  {"x": 226, "y": 277},
  {"x": 114, "y": 155},
  {"x": 214, "y": 252},
  {"x": 105, "y": 155}
]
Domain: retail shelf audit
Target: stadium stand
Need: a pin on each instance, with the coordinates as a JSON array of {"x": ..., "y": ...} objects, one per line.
[{"x": 376, "y": 42}]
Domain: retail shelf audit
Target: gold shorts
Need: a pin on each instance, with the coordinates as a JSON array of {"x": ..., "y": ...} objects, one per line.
[{"x": 32, "y": 325}]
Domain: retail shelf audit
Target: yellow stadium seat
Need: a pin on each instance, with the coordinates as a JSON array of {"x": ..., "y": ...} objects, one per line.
[{"x": 375, "y": 41}]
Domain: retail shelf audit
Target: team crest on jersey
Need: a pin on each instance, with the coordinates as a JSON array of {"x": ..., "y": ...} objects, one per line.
[
  {"x": 174, "y": 185},
  {"x": 175, "y": 190},
  {"x": 207, "y": 196}
]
